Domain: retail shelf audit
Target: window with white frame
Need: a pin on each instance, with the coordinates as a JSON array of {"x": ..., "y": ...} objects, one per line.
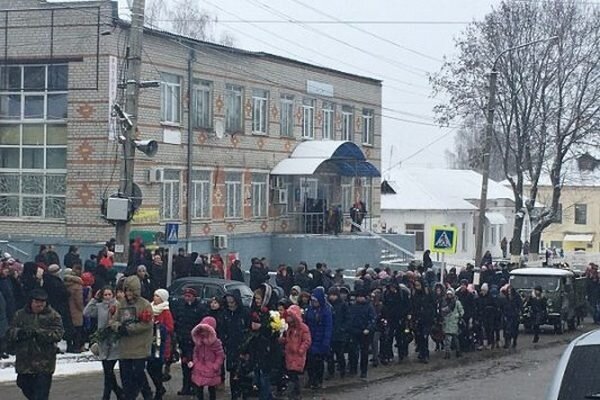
[
  {"x": 365, "y": 191},
  {"x": 308, "y": 118},
  {"x": 200, "y": 187},
  {"x": 260, "y": 113},
  {"x": 170, "y": 98},
  {"x": 328, "y": 120},
  {"x": 493, "y": 234},
  {"x": 233, "y": 108},
  {"x": 233, "y": 189},
  {"x": 170, "y": 195},
  {"x": 259, "y": 195},
  {"x": 33, "y": 140},
  {"x": 347, "y": 190},
  {"x": 202, "y": 104},
  {"x": 419, "y": 231},
  {"x": 347, "y": 123},
  {"x": 367, "y": 126},
  {"x": 286, "y": 117}
]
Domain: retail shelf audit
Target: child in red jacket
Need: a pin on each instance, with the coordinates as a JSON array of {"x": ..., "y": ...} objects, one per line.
[{"x": 296, "y": 341}]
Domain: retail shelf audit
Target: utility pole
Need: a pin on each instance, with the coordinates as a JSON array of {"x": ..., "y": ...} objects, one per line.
[
  {"x": 487, "y": 145},
  {"x": 134, "y": 68}
]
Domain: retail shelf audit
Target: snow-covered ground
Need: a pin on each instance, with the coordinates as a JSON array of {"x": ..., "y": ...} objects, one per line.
[{"x": 66, "y": 364}]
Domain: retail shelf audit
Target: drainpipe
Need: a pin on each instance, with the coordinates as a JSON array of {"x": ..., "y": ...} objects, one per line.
[{"x": 190, "y": 153}]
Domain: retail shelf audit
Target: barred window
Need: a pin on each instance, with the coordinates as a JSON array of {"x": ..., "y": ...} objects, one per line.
[
  {"x": 33, "y": 140},
  {"x": 259, "y": 195},
  {"x": 201, "y": 203},
  {"x": 170, "y": 195},
  {"x": 233, "y": 187}
]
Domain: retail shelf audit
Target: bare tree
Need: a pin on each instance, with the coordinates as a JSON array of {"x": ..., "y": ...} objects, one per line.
[
  {"x": 547, "y": 96},
  {"x": 185, "y": 18}
]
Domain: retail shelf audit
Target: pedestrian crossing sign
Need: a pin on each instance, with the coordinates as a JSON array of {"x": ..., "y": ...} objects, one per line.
[
  {"x": 443, "y": 239},
  {"x": 171, "y": 233}
]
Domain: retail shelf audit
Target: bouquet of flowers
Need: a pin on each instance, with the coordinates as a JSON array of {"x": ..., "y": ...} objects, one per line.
[{"x": 277, "y": 324}]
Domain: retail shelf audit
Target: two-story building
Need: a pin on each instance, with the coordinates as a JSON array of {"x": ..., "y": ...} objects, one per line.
[{"x": 250, "y": 144}]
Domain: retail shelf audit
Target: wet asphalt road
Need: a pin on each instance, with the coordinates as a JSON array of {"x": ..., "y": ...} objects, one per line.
[{"x": 523, "y": 375}]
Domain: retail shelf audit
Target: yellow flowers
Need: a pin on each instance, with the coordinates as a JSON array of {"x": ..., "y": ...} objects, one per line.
[{"x": 277, "y": 323}]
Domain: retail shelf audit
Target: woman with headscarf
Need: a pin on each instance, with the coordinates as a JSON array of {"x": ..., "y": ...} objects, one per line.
[
  {"x": 161, "y": 341},
  {"x": 452, "y": 311}
]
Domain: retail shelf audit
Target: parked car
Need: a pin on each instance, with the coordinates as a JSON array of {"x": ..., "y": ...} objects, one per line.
[
  {"x": 576, "y": 376},
  {"x": 564, "y": 291},
  {"x": 208, "y": 288}
]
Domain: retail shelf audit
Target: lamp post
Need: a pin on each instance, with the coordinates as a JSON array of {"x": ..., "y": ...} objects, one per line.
[{"x": 487, "y": 146}]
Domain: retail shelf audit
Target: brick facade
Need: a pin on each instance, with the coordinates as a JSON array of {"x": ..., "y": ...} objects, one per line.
[{"x": 93, "y": 161}]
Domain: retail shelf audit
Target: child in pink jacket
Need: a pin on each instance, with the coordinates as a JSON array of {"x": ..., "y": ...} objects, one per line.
[
  {"x": 297, "y": 341},
  {"x": 207, "y": 359}
]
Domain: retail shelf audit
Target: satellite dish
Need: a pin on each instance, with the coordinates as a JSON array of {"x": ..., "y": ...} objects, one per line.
[{"x": 219, "y": 128}]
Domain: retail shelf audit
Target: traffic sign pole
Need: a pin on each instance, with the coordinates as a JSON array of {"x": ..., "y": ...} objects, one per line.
[
  {"x": 170, "y": 265},
  {"x": 171, "y": 238}
]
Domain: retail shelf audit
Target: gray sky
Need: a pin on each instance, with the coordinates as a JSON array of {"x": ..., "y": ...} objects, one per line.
[{"x": 406, "y": 91}]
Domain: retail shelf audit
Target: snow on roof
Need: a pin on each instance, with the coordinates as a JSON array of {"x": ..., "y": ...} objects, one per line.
[
  {"x": 438, "y": 189},
  {"x": 542, "y": 271}
]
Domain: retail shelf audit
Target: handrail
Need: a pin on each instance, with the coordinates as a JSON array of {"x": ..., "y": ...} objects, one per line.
[
  {"x": 384, "y": 240},
  {"x": 12, "y": 247}
]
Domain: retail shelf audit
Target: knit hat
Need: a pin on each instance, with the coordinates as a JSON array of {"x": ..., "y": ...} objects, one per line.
[
  {"x": 190, "y": 291},
  {"x": 485, "y": 288},
  {"x": 450, "y": 291},
  {"x": 54, "y": 268},
  {"x": 162, "y": 293}
]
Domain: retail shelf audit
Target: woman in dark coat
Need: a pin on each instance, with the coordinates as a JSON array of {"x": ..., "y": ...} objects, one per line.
[
  {"x": 284, "y": 280},
  {"x": 511, "y": 312},
  {"x": 236, "y": 271},
  {"x": 29, "y": 278}
]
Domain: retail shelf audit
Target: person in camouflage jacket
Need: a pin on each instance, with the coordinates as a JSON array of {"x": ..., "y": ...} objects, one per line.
[{"x": 33, "y": 335}]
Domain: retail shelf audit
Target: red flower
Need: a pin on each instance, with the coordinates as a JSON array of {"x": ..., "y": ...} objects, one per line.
[
  {"x": 254, "y": 316},
  {"x": 145, "y": 316},
  {"x": 264, "y": 310},
  {"x": 112, "y": 309}
]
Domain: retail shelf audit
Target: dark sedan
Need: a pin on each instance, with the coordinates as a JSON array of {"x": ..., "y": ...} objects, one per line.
[{"x": 208, "y": 288}]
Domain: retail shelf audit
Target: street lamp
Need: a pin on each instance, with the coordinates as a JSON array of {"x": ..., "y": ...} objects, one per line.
[{"x": 487, "y": 147}]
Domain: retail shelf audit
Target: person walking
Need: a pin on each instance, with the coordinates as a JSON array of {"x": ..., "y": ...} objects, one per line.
[
  {"x": 236, "y": 324},
  {"x": 187, "y": 313},
  {"x": 538, "y": 309},
  {"x": 339, "y": 333},
  {"x": 134, "y": 322},
  {"x": 319, "y": 319},
  {"x": 423, "y": 316},
  {"x": 360, "y": 329},
  {"x": 161, "y": 342},
  {"x": 74, "y": 285},
  {"x": 296, "y": 341},
  {"x": 34, "y": 333},
  {"x": 511, "y": 313},
  {"x": 452, "y": 312},
  {"x": 208, "y": 358},
  {"x": 101, "y": 308}
]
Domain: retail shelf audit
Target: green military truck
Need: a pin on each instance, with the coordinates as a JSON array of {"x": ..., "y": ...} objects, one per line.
[{"x": 565, "y": 292}]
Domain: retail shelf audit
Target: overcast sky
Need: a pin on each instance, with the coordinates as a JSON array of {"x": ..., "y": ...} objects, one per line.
[{"x": 401, "y": 59}]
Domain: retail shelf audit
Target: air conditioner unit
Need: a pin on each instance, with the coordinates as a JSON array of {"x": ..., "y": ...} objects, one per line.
[
  {"x": 220, "y": 241},
  {"x": 280, "y": 196},
  {"x": 155, "y": 175}
]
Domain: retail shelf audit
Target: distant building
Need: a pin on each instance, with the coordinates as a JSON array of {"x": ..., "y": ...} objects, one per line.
[
  {"x": 579, "y": 215},
  {"x": 413, "y": 200}
]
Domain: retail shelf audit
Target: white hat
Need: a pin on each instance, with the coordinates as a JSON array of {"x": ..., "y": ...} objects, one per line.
[{"x": 162, "y": 293}]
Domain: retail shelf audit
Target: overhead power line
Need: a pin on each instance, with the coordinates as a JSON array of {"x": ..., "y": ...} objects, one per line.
[
  {"x": 369, "y": 33},
  {"x": 327, "y": 22}
]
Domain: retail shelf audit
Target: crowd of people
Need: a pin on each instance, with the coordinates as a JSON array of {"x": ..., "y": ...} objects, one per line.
[{"x": 310, "y": 325}]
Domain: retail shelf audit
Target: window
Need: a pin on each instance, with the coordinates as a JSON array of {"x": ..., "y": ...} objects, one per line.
[
  {"x": 202, "y": 104},
  {"x": 170, "y": 195},
  {"x": 260, "y": 115},
  {"x": 580, "y": 214},
  {"x": 259, "y": 195},
  {"x": 310, "y": 187},
  {"x": 308, "y": 118},
  {"x": 347, "y": 123},
  {"x": 493, "y": 234},
  {"x": 170, "y": 98},
  {"x": 233, "y": 108},
  {"x": 559, "y": 214},
  {"x": 233, "y": 187},
  {"x": 33, "y": 140},
  {"x": 200, "y": 187},
  {"x": 347, "y": 191},
  {"x": 328, "y": 124},
  {"x": 286, "y": 118},
  {"x": 463, "y": 236},
  {"x": 367, "y": 126},
  {"x": 365, "y": 192},
  {"x": 419, "y": 231}
]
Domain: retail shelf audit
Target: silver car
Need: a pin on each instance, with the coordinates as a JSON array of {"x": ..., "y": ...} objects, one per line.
[{"x": 576, "y": 377}]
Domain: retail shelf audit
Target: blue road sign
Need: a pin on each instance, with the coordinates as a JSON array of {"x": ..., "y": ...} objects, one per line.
[{"x": 171, "y": 233}]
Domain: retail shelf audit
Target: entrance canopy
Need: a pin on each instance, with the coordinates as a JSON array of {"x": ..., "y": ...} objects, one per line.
[
  {"x": 579, "y": 237},
  {"x": 341, "y": 157}
]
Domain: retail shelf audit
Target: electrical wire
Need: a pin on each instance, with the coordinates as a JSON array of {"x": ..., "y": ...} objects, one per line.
[
  {"x": 329, "y": 22},
  {"x": 383, "y": 39}
]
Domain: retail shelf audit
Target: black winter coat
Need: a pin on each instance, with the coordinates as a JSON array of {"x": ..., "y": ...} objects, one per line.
[
  {"x": 258, "y": 276},
  {"x": 302, "y": 280},
  {"x": 423, "y": 308},
  {"x": 341, "y": 315},
  {"x": 237, "y": 274},
  {"x": 58, "y": 298},
  {"x": 72, "y": 259},
  {"x": 488, "y": 310},
  {"x": 186, "y": 317},
  {"x": 361, "y": 317},
  {"x": 235, "y": 330},
  {"x": 467, "y": 300},
  {"x": 396, "y": 307},
  {"x": 7, "y": 291}
]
